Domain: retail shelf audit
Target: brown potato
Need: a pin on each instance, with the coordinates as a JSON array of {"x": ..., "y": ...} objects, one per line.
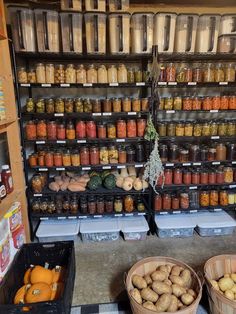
[
  {"x": 180, "y": 304},
  {"x": 135, "y": 294},
  {"x": 173, "y": 307},
  {"x": 159, "y": 275},
  {"x": 229, "y": 294},
  {"x": 177, "y": 280},
  {"x": 149, "y": 295},
  {"x": 148, "y": 279},
  {"x": 187, "y": 278},
  {"x": 178, "y": 290},
  {"x": 187, "y": 299},
  {"x": 193, "y": 293},
  {"x": 139, "y": 282},
  {"x": 168, "y": 282},
  {"x": 165, "y": 268},
  {"x": 163, "y": 303},
  {"x": 176, "y": 270},
  {"x": 161, "y": 287},
  {"x": 149, "y": 305}
]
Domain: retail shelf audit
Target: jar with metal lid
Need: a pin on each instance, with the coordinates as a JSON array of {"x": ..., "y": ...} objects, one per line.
[
  {"x": 195, "y": 176},
  {"x": 166, "y": 202},
  {"x": 94, "y": 155},
  {"x": 118, "y": 204},
  {"x": 100, "y": 205},
  {"x": 138, "y": 76},
  {"x": 204, "y": 177},
  {"x": 69, "y": 105},
  {"x": 122, "y": 74},
  {"x": 81, "y": 75},
  {"x": 144, "y": 104},
  {"x": 179, "y": 129},
  {"x": 204, "y": 153},
  {"x": 75, "y": 158},
  {"x": 66, "y": 159},
  {"x": 188, "y": 129},
  {"x": 102, "y": 74},
  {"x": 44, "y": 205},
  {"x": 116, "y": 104},
  {"x": 162, "y": 76},
  {"x": 170, "y": 72},
  {"x": 80, "y": 129},
  {"x": 121, "y": 129},
  {"x": 40, "y": 73},
  {"x": 204, "y": 198},
  {"x": 208, "y": 73},
  {"x": 36, "y": 205},
  {"x": 31, "y": 76},
  {"x": 206, "y": 130},
  {"x": 194, "y": 199},
  {"x": 146, "y": 75},
  {"x": 230, "y": 72},
  {"x": 40, "y": 106},
  {"x": 70, "y": 74},
  {"x": 130, "y": 75},
  {"x": 197, "y": 74},
  {"x": 207, "y": 103},
  {"x": 212, "y": 176},
  {"x": 111, "y": 130},
  {"x": 30, "y": 105},
  {"x": 129, "y": 203},
  {"x": 78, "y": 105},
  {"x": 122, "y": 155},
  {"x": 158, "y": 202},
  {"x": 91, "y": 131},
  {"x": 106, "y": 105},
  {"x": 230, "y": 151},
  {"x": 50, "y": 73},
  {"x": 188, "y": 74},
  {"x": 187, "y": 177},
  {"x": 140, "y": 205},
  {"x": 232, "y": 102},
  {"x": 177, "y": 176},
  {"x": 51, "y": 130},
  {"x": 36, "y": 184},
  {"x": 197, "y": 129},
  {"x": 220, "y": 177},
  {"x": 49, "y": 105},
  {"x": 59, "y": 105},
  {"x": 221, "y": 152},
  {"x": 22, "y": 75},
  {"x": 168, "y": 103},
  {"x": 173, "y": 153},
  {"x": 57, "y": 159},
  {"x": 171, "y": 129},
  {"x": 224, "y": 103},
  {"x": 175, "y": 202},
  {"x": 228, "y": 175},
  {"x": 87, "y": 104},
  {"x": 70, "y": 131},
  {"x": 92, "y": 208},
  {"x": 103, "y": 155},
  {"x": 183, "y": 155},
  {"x": 84, "y": 156},
  {"x": 136, "y": 104},
  {"x": 196, "y": 103},
  {"x": 102, "y": 131},
  {"x": 211, "y": 155},
  {"x": 230, "y": 131},
  {"x": 224, "y": 198},
  {"x": 184, "y": 201},
  {"x": 33, "y": 160},
  {"x": 141, "y": 127},
  {"x": 177, "y": 103},
  {"x": 41, "y": 130},
  {"x": 231, "y": 198},
  {"x": 140, "y": 153},
  {"x": 112, "y": 74},
  {"x": 187, "y": 103},
  {"x": 126, "y": 104},
  {"x": 163, "y": 152},
  {"x": 61, "y": 131},
  {"x": 92, "y": 74},
  {"x": 168, "y": 173},
  {"x": 131, "y": 128},
  {"x": 194, "y": 153},
  {"x": 59, "y": 74},
  {"x": 219, "y": 73},
  {"x": 214, "y": 198},
  {"x": 216, "y": 103},
  {"x": 130, "y": 155},
  {"x": 213, "y": 129},
  {"x": 109, "y": 204},
  {"x": 96, "y": 105},
  {"x": 113, "y": 154},
  {"x": 222, "y": 129},
  {"x": 74, "y": 205},
  {"x": 66, "y": 205},
  {"x": 161, "y": 103}
]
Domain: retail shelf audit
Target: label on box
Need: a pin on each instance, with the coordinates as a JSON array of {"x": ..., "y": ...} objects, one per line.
[
  {"x": 38, "y": 195},
  {"x": 193, "y": 211},
  {"x": 83, "y": 217},
  {"x": 141, "y": 214},
  {"x": 177, "y": 212},
  {"x": 217, "y": 209},
  {"x": 72, "y": 217},
  {"x": 233, "y": 162},
  {"x": 61, "y": 218},
  {"x": 217, "y": 230},
  {"x": 187, "y": 164},
  {"x": 169, "y": 165},
  {"x": 14, "y": 216},
  {"x": 128, "y": 215},
  {"x": 120, "y": 167},
  {"x": 86, "y": 168},
  {"x": 44, "y": 218},
  {"x": 163, "y": 213},
  {"x": 214, "y": 111},
  {"x": 60, "y": 169},
  {"x": 216, "y": 163},
  {"x": 232, "y": 186},
  {"x": 197, "y": 164},
  {"x": 138, "y": 166},
  {"x": 118, "y": 215},
  {"x": 97, "y": 216}
]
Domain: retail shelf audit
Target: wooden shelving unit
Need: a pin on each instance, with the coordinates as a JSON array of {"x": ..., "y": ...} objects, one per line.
[{"x": 10, "y": 127}]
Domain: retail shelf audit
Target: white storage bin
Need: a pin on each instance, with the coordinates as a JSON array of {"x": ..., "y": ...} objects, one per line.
[
  {"x": 228, "y": 25},
  {"x": 47, "y": 29},
  {"x": 142, "y": 32},
  {"x": 176, "y": 225},
  {"x": 98, "y": 230},
  {"x": 227, "y": 44},
  {"x": 118, "y": 5},
  {"x": 95, "y": 26},
  {"x": 71, "y": 28},
  {"x": 119, "y": 33},
  {"x": 71, "y": 5},
  {"x": 164, "y": 31},
  {"x": 95, "y": 5},
  {"x": 186, "y": 31},
  {"x": 134, "y": 228},
  {"x": 58, "y": 230},
  {"x": 207, "y": 33},
  {"x": 22, "y": 27},
  {"x": 211, "y": 224}
]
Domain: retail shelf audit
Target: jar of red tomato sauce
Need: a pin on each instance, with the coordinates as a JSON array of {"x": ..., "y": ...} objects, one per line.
[
  {"x": 94, "y": 155},
  {"x": 61, "y": 131},
  {"x": 158, "y": 202},
  {"x": 187, "y": 177},
  {"x": 84, "y": 156},
  {"x": 196, "y": 177},
  {"x": 141, "y": 126},
  {"x": 175, "y": 202},
  {"x": 131, "y": 128},
  {"x": 212, "y": 177},
  {"x": 220, "y": 176},
  {"x": 184, "y": 201},
  {"x": 52, "y": 130},
  {"x": 204, "y": 177},
  {"x": 49, "y": 159},
  {"x": 57, "y": 159},
  {"x": 121, "y": 129},
  {"x": 91, "y": 129},
  {"x": 102, "y": 131},
  {"x": 80, "y": 129},
  {"x": 166, "y": 202},
  {"x": 178, "y": 176},
  {"x": 41, "y": 130},
  {"x": 30, "y": 130},
  {"x": 168, "y": 176}
]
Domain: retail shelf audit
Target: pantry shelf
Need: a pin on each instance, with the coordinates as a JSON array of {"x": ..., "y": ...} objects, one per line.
[
  {"x": 195, "y": 210},
  {"x": 195, "y": 84},
  {"x": 196, "y": 138},
  {"x": 195, "y": 111},
  {"x": 197, "y": 57},
  {"x": 190, "y": 187},
  {"x": 87, "y": 85},
  {"x": 199, "y": 163}
]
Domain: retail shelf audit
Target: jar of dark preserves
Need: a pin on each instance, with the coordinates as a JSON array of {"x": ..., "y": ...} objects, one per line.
[
  {"x": 91, "y": 205},
  {"x": 174, "y": 153},
  {"x": 194, "y": 153},
  {"x": 100, "y": 205},
  {"x": 130, "y": 155},
  {"x": 109, "y": 204},
  {"x": 140, "y": 155},
  {"x": 66, "y": 205},
  {"x": 163, "y": 152},
  {"x": 74, "y": 205},
  {"x": 83, "y": 205}
]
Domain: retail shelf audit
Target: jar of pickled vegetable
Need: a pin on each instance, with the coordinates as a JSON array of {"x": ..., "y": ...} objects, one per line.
[
  {"x": 228, "y": 175},
  {"x": 31, "y": 76},
  {"x": 141, "y": 127},
  {"x": 212, "y": 176},
  {"x": 66, "y": 158},
  {"x": 175, "y": 202},
  {"x": 195, "y": 177},
  {"x": 222, "y": 128},
  {"x": 113, "y": 154},
  {"x": 91, "y": 131},
  {"x": 171, "y": 129},
  {"x": 109, "y": 204},
  {"x": 187, "y": 177},
  {"x": 131, "y": 128},
  {"x": 36, "y": 184},
  {"x": 144, "y": 104},
  {"x": 103, "y": 156},
  {"x": 30, "y": 130},
  {"x": 130, "y": 75},
  {"x": 166, "y": 202},
  {"x": 92, "y": 74},
  {"x": 80, "y": 129},
  {"x": 112, "y": 74},
  {"x": 204, "y": 198},
  {"x": 140, "y": 205},
  {"x": 184, "y": 201},
  {"x": 177, "y": 103},
  {"x": 61, "y": 131},
  {"x": 94, "y": 155},
  {"x": 208, "y": 73},
  {"x": 162, "y": 76},
  {"x": 50, "y": 73},
  {"x": 174, "y": 153},
  {"x": 92, "y": 208},
  {"x": 70, "y": 131},
  {"x": 230, "y": 131},
  {"x": 106, "y": 105},
  {"x": 162, "y": 128},
  {"x": 96, "y": 105},
  {"x": 78, "y": 105},
  {"x": 40, "y": 73},
  {"x": 49, "y": 105},
  {"x": 194, "y": 153},
  {"x": 122, "y": 74},
  {"x": 116, "y": 105},
  {"x": 219, "y": 73},
  {"x": 161, "y": 103},
  {"x": 230, "y": 72},
  {"x": 197, "y": 129},
  {"x": 30, "y": 106},
  {"x": 180, "y": 77},
  {"x": 197, "y": 74},
  {"x": 52, "y": 130},
  {"x": 168, "y": 176},
  {"x": 216, "y": 103},
  {"x": 187, "y": 103},
  {"x": 57, "y": 159},
  {"x": 138, "y": 75},
  {"x": 188, "y": 129},
  {"x": 122, "y": 155},
  {"x": 102, "y": 131},
  {"x": 140, "y": 153},
  {"x": 22, "y": 75},
  {"x": 59, "y": 74},
  {"x": 184, "y": 155},
  {"x": 41, "y": 130},
  {"x": 206, "y": 131},
  {"x": 170, "y": 72},
  {"x": 232, "y": 102},
  {"x": 121, "y": 128},
  {"x": 179, "y": 129},
  {"x": 118, "y": 204},
  {"x": 126, "y": 104},
  {"x": 196, "y": 103},
  {"x": 130, "y": 155},
  {"x": 204, "y": 177},
  {"x": 158, "y": 202},
  {"x": 81, "y": 75},
  {"x": 220, "y": 178},
  {"x": 102, "y": 74},
  {"x": 188, "y": 74},
  {"x": 231, "y": 198},
  {"x": 84, "y": 156},
  {"x": 111, "y": 130},
  {"x": 49, "y": 159},
  {"x": 59, "y": 105},
  {"x": 213, "y": 128},
  {"x": 136, "y": 104},
  {"x": 40, "y": 106},
  {"x": 75, "y": 158},
  {"x": 178, "y": 176},
  {"x": 87, "y": 105},
  {"x": 168, "y": 103},
  {"x": 33, "y": 160},
  {"x": 207, "y": 103},
  {"x": 224, "y": 103},
  {"x": 214, "y": 198},
  {"x": 69, "y": 105},
  {"x": 224, "y": 198}
]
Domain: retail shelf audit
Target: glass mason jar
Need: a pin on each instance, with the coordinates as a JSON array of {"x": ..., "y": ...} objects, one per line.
[
  {"x": 121, "y": 128},
  {"x": 141, "y": 127},
  {"x": 102, "y": 74},
  {"x": 195, "y": 176},
  {"x": 208, "y": 73},
  {"x": 66, "y": 158},
  {"x": 140, "y": 154},
  {"x": 179, "y": 129},
  {"x": 220, "y": 152},
  {"x": 207, "y": 103},
  {"x": 50, "y": 73},
  {"x": 78, "y": 105},
  {"x": 122, "y": 155},
  {"x": 212, "y": 176},
  {"x": 224, "y": 103},
  {"x": 129, "y": 203},
  {"x": 187, "y": 177},
  {"x": 84, "y": 156},
  {"x": 168, "y": 103},
  {"x": 100, "y": 205},
  {"x": 168, "y": 176},
  {"x": 194, "y": 199},
  {"x": 36, "y": 184},
  {"x": 197, "y": 129},
  {"x": 103, "y": 155},
  {"x": 74, "y": 205},
  {"x": 230, "y": 72},
  {"x": 75, "y": 158},
  {"x": 70, "y": 74},
  {"x": 131, "y": 128},
  {"x": 81, "y": 75},
  {"x": 59, "y": 105},
  {"x": 111, "y": 130},
  {"x": 57, "y": 159},
  {"x": 96, "y": 105},
  {"x": 130, "y": 75},
  {"x": 136, "y": 104},
  {"x": 183, "y": 155},
  {"x": 216, "y": 103},
  {"x": 196, "y": 103},
  {"x": 130, "y": 155},
  {"x": 61, "y": 131},
  {"x": 69, "y": 105},
  {"x": 197, "y": 74},
  {"x": 161, "y": 103},
  {"x": 230, "y": 131},
  {"x": 138, "y": 76},
  {"x": 44, "y": 205},
  {"x": 106, "y": 105},
  {"x": 180, "y": 77},
  {"x": 92, "y": 208},
  {"x": 204, "y": 198},
  {"x": 118, "y": 204},
  {"x": 40, "y": 73},
  {"x": 220, "y": 176},
  {"x": 49, "y": 159},
  {"x": 184, "y": 201},
  {"x": 231, "y": 198},
  {"x": 70, "y": 131},
  {"x": 232, "y": 102},
  {"x": 80, "y": 129},
  {"x": 194, "y": 153},
  {"x": 188, "y": 74},
  {"x": 187, "y": 103},
  {"x": 109, "y": 204},
  {"x": 92, "y": 74},
  {"x": 177, "y": 103},
  {"x": 40, "y": 106},
  {"x": 126, "y": 104},
  {"x": 213, "y": 129},
  {"x": 174, "y": 153},
  {"x": 228, "y": 175},
  {"x": 87, "y": 105},
  {"x": 230, "y": 151},
  {"x": 224, "y": 198},
  {"x": 206, "y": 131},
  {"x": 175, "y": 202},
  {"x": 41, "y": 130},
  {"x": 59, "y": 74},
  {"x": 170, "y": 72},
  {"x": 31, "y": 76},
  {"x": 33, "y": 160},
  {"x": 178, "y": 176},
  {"x": 22, "y": 75},
  {"x": 144, "y": 104},
  {"x": 222, "y": 128},
  {"x": 162, "y": 76},
  {"x": 163, "y": 152},
  {"x": 204, "y": 177},
  {"x": 94, "y": 155},
  {"x": 30, "y": 105},
  {"x": 214, "y": 198},
  {"x": 101, "y": 130},
  {"x": 140, "y": 205},
  {"x": 188, "y": 129},
  {"x": 116, "y": 104},
  {"x": 112, "y": 74},
  {"x": 49, "y": 105},
  {"x": 113, "y": 154},
  {"x": 51, "y": 130},
  {"x": 166, "y": 202},
  {"x": 91, "y": 130},
  {"x": 36, "y": 205},
  {"x": 219, "y": 73},
  {"x": 171, "y": 129},
  {"x": 158, "y": 202}
]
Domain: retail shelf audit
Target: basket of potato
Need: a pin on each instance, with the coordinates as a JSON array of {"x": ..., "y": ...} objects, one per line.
[
  {"x": 220, "y": 275},
  {"x": 163, "y": 285}
]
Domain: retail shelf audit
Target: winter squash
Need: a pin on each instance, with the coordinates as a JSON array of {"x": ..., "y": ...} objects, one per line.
[
  {"x": 57, "y": 290},
  {"x": 41, "y": 274},
  {"x": 57, "y": 274},
  {"x": 27, "y": 275},
  {"x": 20, "y": 294},
  {"x": 39, "y": 292}
]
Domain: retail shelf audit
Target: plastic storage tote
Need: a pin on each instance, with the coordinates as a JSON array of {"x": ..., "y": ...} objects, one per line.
[
  {"x": 22, "y": 27},
  {"x": 207, "y": 33},
  {"x": 164, "y": 31},
  {"x": 211, "y": 224},
  {"x": 227, "y": 44},
  {"x": 58, "y": 230},
  {"x": 95, "y": 5},
  {"x": 228, "y": 25},
  {"x": 119, "y": 33},
  {"x": 185, "y": 34},
  {"x": 95, "y": 26},
  {"x": 59, "y": 253},
  {"x": 142, "y": 32},
  {"x": 97, "y": 230},
  {"x": 71, "y": 28},
  {"x": 47, "y": 28},
  {"x": 177, "y": 225},
  {"x": 118, "y": 5},
  {"x": 71, "y": 5},
  {"x": 134, "y": 228}
]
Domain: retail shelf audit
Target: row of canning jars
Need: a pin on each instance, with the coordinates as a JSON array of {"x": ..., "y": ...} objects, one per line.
[
  {"x": 88, "y": 205},
  {"x": 70, "y": 105},
  {"x": 194, "y": 199},
  {"x": 179, "y": 176},
  {"x": 59, "y": 73},
  {"x": 198, "y": 103},
  {"x": 210, "y": 128},
  {"x": 52, "y": 130},
  {"x": 193, "y": 152},
  {"x": 200, "y": 73},
  {"x": 92, "y": 155}
]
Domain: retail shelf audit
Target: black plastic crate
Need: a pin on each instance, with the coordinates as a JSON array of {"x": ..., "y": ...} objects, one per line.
[{"x": 55, "y": 253}]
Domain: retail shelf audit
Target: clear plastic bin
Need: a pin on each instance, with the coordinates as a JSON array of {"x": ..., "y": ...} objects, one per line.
[
  {"x": 118, "y": 5},
  {"x": 134, "y": 228},
  {"x": 95, "y": 5},
  {"x": 228, "y": 24},
  {"x": 95, "y": 26},
  {"x": 227, "y": 44},
  {"x": 71, "y": 5},
  {"x": 119, "y": 33}
]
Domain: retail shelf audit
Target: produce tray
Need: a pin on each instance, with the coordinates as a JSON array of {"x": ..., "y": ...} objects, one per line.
[{"x": 54, "y": 253}]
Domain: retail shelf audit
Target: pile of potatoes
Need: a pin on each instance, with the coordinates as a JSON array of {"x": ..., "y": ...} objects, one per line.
[
  {"x": 226, "y": 285},
  {"x": 167, "y": 289}
]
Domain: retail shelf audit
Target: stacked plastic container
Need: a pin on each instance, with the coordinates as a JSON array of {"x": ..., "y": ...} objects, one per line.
[{"x": 227, "y": 34}]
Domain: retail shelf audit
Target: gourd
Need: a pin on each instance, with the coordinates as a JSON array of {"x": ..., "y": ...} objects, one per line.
[
  {"x": 109, "y": 182},
  {"x": 57, "y": 274},
  {"x": 119, "y": 182},
  {"x": 138, "y": 185},
  {"x": 104, "y": 174},
  {"x": 132, "y": 171},
  {"x": 57, "y": 290},
  {"x": 39, "y": 292},
  {"x": 127, "y": 185},
  {"x": 27, "y": 275},
  {"x": 124, "y": 173},
  {"x": 145, "y": 184},
  {"x": 41, "y": 274},
  {"x": 20, "y": 294},
  {"x": 94, "y": 183}
]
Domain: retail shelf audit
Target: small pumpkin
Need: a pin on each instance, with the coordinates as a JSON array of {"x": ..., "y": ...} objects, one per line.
[
  {"x": 39, "y": 292},
  {"x": 57, "y": 274},
  {"x": 27, "y": 275},
  {"x": 41, "y": 274},
  {"x": 138, "y": 185},
  {"x": 20, "y": 294},
  {"x": 57, "y": 290}
]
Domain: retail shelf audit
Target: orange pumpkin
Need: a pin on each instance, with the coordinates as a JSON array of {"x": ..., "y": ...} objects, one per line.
[
  {"x": 39, "y": 292},
  {"x": 57, "y": 290},
  {"x": 27, "y": 275},
  {"x": 58, "y": 274},
  {"x": 41, "y": 274},
  {"x": 20, "y": 294}
]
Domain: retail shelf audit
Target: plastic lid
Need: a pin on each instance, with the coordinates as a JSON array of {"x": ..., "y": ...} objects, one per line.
[
  {"x": 54, "y": 228},
  {"x": 213, "y": 220},
  {"x": 99, "y": 225},
  {"x": 5, "y": 167},
  {"x": 133, "y": 224},
  {"x": 176, "y": 221}
]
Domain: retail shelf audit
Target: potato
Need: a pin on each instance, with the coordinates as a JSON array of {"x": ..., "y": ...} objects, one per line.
[
  {"x": 187, "y": 278},
  {"x": 139, "y": 282},
  {"x": 168, "y": 282},
  {"x": 187, "y": 299},
  {"x": 233, "y": 277},
  {"x": 214, "y": 284},
  {"x": 176, "y": 270},
  {"x": 149, "y": 295},
  {"x": 163, "y": 303},
  {"x": 225, "y": 284},
  {"x": 229, "y": 294},
  {"x": 169, "y": 268},
  {"x": 177, "y": 280},
  {"x": 135, "y": 294},
  {"x": 149, "y": 305},
  {"x": 173, "y": 304},
  {"x": 165, "y": 268},
  {"x": 180, "y": 304},
  {"x": 161, "y": 287},
  {"x": 159, "y": 275},
  {"x": 192, "y": 292},
  {"x": 234, "y": 288},
  {"x": 148, "y": 279},
  {"x": 178, "y": 290}
]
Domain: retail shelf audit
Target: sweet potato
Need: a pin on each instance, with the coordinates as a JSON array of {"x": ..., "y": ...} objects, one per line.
[
  {"x": 54, "y": 186},
  {"x": 76, "y": 187},
  {"x": 64, "y": 186}
]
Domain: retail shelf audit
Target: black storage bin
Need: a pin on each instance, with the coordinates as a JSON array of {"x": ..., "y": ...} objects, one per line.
[{"x": 55, "y": 253}]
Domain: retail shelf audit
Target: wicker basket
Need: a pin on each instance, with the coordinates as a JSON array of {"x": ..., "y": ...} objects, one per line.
[
  {"x": 215, "y": 268},
  {"x": 148, "y": 265}
]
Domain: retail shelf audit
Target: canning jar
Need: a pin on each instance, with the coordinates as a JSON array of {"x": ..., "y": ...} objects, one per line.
[
  {"x": 40, "y": 106},
  {"x": 194, "y": 153},
  {"x": 141, "y": 127},
  {"x": 92, "y": 208},
  {"x": 170, "y": 72},
  {"x": 187, "y": 103},
  {"x": 100, "y": 205},
  {"x": 163, "y": 152},
  {"x": 222, "y": 128},
  {"x": 179, "y": 129},
  {"x": 96, "y": 105},
  {"x": 40, "y": 73},
  {"x": 91, "y": 131},
  {"x": 75, "y": 158},
  {"x": 52, "y": 130},
  {"x": 166, "y": 202},
  {"x": 204, "y": 177},
  {"x": 219, "y": 73},
  {"x": 194, "y": 199},
  {"x": 173, "y": 153},
  {"x": 102, "y": 131},
  {"x": 33, "y": 160},
  {"x": 138, "y": 75},
  {"x": 92, "y": 74},
  {"x": 122, "y": 74},
  {"x": 224, "y": 103},
  {"x": 121, "y": 128},
  {"x": 103, "y": 155},
  {"x": 111, "y": 130},
  {"x": 230, "y": 130},
  {"x": 74, "y": 205},
  {"x": 31, "y": 76},
  {"x": 188, "y": 74},
  {"x": 184, "y": 201},
  {"x": 220, "y": 152},
  {"x": 140, "y": 152},
  {"x": 66, "y": 204},
  {"x": 206, "y": 131},
  {"x": 171, "y": 129},
  {"x": 158, "y": 202},
  {"x": 197, "y": 129},
  {"x": 49, "y": 159},
  {"x": 22, "y": 75},
  {"x": 50, "y": 73},
  {"x": 215, "y": 102},
  {"x": 51, "y": 207},
  {"x": 59, "y": 105},
  {"x": 112, "y": 74},
  {"x": 131, "y": 128},
  {"x": 212, "y": 176},
  {"x": 84, "y": 156},
  {"x": 183, "y": 155},
  {"x": 162, "y": 129},
  {"x": 102, "y": 74},
  {"x": 130, "y": 75},
  {"x": 196, "y": 177},
  {"x": 69, "y": 105},
  {"x": 140, "y": 205},
  {"x": 207, "y": 103},
  {"x": 66, "y": 159},
  {"x": 204, "y": 198},
  {"x": 36, "y": 184},
  {"x": 187, "y": 177},
  {"x": 175, "y": 202},
  {"x": 130, "y": 155},
  {"x": 180, "y": 76},
  {"x": 113, "y": 154},
  {"x": 162, "y": 76},
  {"x": 30, "y": 106},
  {"x": 144, "y": 104},
  {"x": 213, "y": 128},
  {"x": 231, "y": 198},
  {"x": 136, "y": 104},
  {"x": 178, "y": 176},
  {"x": 224, "y": 198},
  {"x": 188, "y": 129},
  {"x": 81, "y": 75},
  {"x": 70, "y": 131},
  {"x": 168, "y": 103},
  {"x": 41, "y": 130},
  {"x": 220, "y": 176},
  {"x": 59, "y": 74},
  {"x": 118, "y": 204},
  {"x": 230, "y": 72},
  {"x": 109, "y": 204},
  {"x": 80, "y": 129},
  {"x": 230, "y": 151},
  {"x": 122, "y": 155},
  {"x": 36, "y": 205},
  {"x": 116, "y": 104},
  {"x": 49, "y": 105},
  {"x": 214, "y": 198},
  {"x": 161, "y": 103},
  {"x": 232, "y": 102},
  {"x": 208, "y": 73},
  {"x": 87, "y": 104},
  {"x": 228, "y": 175},
  {"x": 94, "y": 155},
  {"x": 57, "y": 159},
  {"x": 197, "y": 74},
  {"x": 106, "y": 105},
  {"x": 177, "y": 103},
  {"x": 126, "y": 104},
  {"x": 61, "y": 131},
  {"x": 168, "y": 176}
]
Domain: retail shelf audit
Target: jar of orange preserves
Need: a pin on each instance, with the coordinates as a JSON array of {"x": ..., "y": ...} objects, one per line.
[
  {"x": 224, "y": 103},
  {"x": 204, "y": 199},
  {"x": 216, "y": 102},
  {"x": 223, "y": 198},
  {"x": 136, "y": 104},
  {"x": 111, "y": 130},
  {"x": 207, "y": 103},
  {"x": 228, "y": 175},
  {"x": 232, "y": 102},
  {"x": 121, "y": 128},
  {"x": 196, "y": 103},
  {"x": 126, "y": 104},
  {"x": 131, "y": 128},
  {"x": 66, "y": 159},
  {"x": 33, "y": 160},
  {"x": 129, "y": 203},
  {"x": 187, "y": 103},
  {"x": 141, "y": 126},
  {"x": 41, "y": 130},
  {"x": 75, "y": 158},
  {"x": 214, "y": 198},
  {"x": 49, "y": 159},
  {"x": 30, "y": 130}
]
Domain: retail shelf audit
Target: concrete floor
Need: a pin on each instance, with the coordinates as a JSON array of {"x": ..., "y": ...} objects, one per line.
[{"x": 101, "y": 266}]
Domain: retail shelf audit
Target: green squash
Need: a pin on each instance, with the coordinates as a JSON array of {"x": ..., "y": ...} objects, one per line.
[
  {"x": 94, "y": 183},
  {"x": 109, "y": 182}
]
